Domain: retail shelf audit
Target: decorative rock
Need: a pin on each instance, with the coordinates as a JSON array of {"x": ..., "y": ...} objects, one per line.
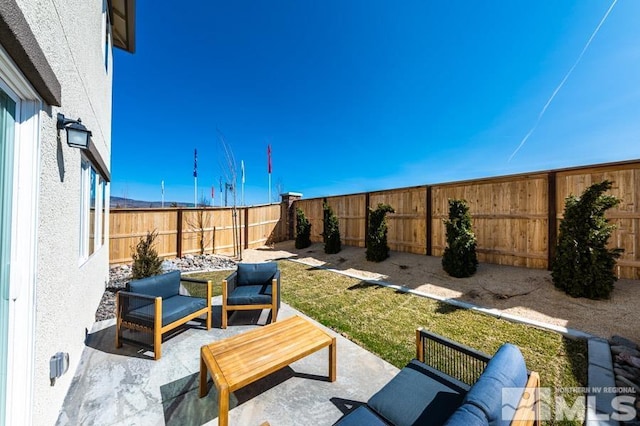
[
  {"x": 632, "y": 370},
  {"x": 168, "y": 266},
  {"x": 625, "y": 349},
  {"x": 625, "y": 354},
  {"x": 627, "y": 383},
  {"x": 622, "y": 341},
  {"x": 623, "y": 373}
]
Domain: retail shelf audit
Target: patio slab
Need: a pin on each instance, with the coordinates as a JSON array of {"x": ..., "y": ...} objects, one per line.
[{"x": 126, "y": 386}]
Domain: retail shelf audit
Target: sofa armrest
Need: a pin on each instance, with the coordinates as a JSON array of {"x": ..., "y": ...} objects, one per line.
[
  {"x": 275, "y": 285},
  {"x": 193, "y": 280},
  {"x": 137, "y": 308},
  {"x": 451, "y": 358},
  {"x": 135, "y": 300},
  {"x": 231, "y": 282},
  {"x": 196, "y": 287}
]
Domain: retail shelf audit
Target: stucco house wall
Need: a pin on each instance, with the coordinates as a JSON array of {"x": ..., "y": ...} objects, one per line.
[
  {"x": 67, "y": 288},
  {"x": 69, "y": 33}
]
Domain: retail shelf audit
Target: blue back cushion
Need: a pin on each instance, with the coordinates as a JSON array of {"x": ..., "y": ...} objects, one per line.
[
  {"x": 506, "y": 369},
  {"x": 256, "y": 273},
  {"x": 164, "y": 285}
]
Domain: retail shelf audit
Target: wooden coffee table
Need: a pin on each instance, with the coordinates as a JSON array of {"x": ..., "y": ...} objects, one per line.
[{"x": 237, "y": 361}]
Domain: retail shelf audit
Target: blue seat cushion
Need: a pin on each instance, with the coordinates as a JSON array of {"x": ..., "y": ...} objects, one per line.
[
  {"x": 418, "y": 395},
  {"x": 256, "y": 273},
  {"x": 164, "y": 285},
  {"x": 467, "y": 415},
  {"x": 361, "y": 416},
  {"x": 250, "y": 295},
  {"x": 173, "y": 309},
  {"x": 506, "y": 369}
]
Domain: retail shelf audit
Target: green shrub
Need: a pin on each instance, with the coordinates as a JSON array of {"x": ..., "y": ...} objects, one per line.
[
  {"x": 303, "y": 230},
  {"x": 459, "y": 258},
  {"x": 583, "y": 265},
  {"x": 377, "y": 248},
  {"x": 146, "y": 262},
  {"x": 331, "y": 232}
]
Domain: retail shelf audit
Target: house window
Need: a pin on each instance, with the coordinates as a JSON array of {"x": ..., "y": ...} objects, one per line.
[{"x": 92, "y": 189}]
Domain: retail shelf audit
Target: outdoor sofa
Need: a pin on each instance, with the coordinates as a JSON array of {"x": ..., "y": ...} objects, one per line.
[
  {"x": 159, "y": 304},
  {"x": 252, "y": 286},
  {"x": 452, "y": 384}
]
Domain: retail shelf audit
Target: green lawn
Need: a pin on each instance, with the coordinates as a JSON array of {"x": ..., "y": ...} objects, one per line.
[{"x": 384, "y": 321}]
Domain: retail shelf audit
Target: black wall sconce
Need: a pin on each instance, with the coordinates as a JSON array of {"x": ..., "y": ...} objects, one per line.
[{"x": 78, "y": 135}]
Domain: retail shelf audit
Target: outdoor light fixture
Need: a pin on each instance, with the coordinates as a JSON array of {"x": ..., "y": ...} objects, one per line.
[{"x": 77, "y": 134}]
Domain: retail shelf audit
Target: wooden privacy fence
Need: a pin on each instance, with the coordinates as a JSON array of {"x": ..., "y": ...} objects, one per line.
[
  {"x": 515, "y": 218},
  {"x": 190, "y": 231}
]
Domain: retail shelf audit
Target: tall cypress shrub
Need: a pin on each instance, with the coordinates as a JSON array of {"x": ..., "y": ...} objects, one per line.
[
  {"x": 303, "y": 230},
  {"x": 377, "y": 248},
  {"x": 331, "y": 231},
  {"x": 583, "y": 265},
  {"x": 146, "y": 261},
  {"x": 459, "y": 259}
]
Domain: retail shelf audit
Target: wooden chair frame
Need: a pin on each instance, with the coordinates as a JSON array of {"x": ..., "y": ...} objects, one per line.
[{"x": 158, "y": 330}]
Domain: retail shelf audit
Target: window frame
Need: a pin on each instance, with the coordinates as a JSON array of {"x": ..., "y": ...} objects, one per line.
[
  {"x": 91, "y": 237},
  {"x": 24, "y": 237}
]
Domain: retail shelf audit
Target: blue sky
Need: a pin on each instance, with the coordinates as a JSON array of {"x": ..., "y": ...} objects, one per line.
[{"x": 365, "y": 95}]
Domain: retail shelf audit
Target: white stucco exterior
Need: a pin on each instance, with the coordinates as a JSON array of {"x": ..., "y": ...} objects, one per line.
[{"x": 64, "y": 290}]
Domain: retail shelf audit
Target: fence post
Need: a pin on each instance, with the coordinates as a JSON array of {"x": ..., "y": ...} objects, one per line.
[
  {"x": 367, "y": 201},
  {"x": 429, "y": 223},
  {"x": 552, "y": 219},
  {"x": 288, "y": 201},
  {"x": 246, "y": 228},
  {"x": 179, "y": 234}
]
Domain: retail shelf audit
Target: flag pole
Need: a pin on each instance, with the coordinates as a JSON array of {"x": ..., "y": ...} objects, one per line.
[
  {"x": 269, "y": 169},
  {"x": 162, "y": 186},
  {"x": 195, "y": 178},
  {"x": 242, "y": 193}
]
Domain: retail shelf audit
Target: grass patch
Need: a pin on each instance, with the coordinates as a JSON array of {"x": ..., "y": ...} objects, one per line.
[{"x": 383, "y": 321}]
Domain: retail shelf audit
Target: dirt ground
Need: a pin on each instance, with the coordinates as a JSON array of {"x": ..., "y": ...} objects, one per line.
[{"x": 528, "y": 293}]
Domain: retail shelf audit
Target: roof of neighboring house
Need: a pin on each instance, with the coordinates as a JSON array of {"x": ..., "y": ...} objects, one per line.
[{"x": 123, "y": 24}]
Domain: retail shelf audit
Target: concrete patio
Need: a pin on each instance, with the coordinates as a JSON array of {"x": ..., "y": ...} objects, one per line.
[{"x": 126, "y": 386}]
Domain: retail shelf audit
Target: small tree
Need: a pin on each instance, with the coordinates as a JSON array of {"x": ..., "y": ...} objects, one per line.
[
  {"x": 331, "y": 232},
  {"x": 303, "y": 230},
  {"x": 377, "y": 248},
  {"x": 459, "y": 258},
  {"x": 146, "y": 262},
  {"x": 583, "y": 265}
]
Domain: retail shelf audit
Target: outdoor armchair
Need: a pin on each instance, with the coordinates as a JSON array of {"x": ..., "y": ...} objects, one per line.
[
  {"x": 252, "y": 286},
  {"x": 159, "y": 304}
]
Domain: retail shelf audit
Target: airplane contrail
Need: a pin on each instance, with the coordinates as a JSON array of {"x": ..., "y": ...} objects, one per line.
[{"x": 555, "y": 92}]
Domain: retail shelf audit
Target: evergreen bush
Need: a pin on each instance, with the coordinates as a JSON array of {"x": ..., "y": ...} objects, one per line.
[
  {"x": 583, "y": 265},
  {"x": 377, "y": 248},
  {"x": 303, "y": 230},
  {"x": 146, "y": 261},
  {"x": 331, "y": 231},
  {"x": 459, "y": 259}
]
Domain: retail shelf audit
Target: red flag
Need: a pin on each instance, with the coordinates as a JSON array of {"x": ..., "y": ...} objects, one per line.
[{"x": 269, "y": 158}]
